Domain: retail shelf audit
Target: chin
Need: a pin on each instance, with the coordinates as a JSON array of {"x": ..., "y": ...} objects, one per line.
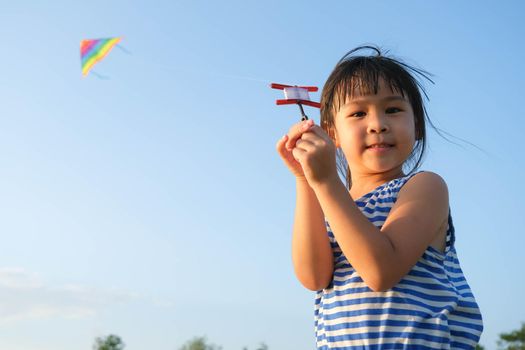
[{"x": 381, "y": 169}]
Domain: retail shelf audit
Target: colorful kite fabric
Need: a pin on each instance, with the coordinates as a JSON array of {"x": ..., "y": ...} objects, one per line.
[{"x": 94, "y": 50}]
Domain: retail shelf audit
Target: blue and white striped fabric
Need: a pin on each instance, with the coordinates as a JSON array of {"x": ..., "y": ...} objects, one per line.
[{"x": 432, "y": 307}]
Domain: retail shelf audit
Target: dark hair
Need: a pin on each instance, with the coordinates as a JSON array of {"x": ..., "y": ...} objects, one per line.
[{"x": 364, "y": 73}]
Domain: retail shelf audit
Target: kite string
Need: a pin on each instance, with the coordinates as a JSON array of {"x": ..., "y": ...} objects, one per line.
[
  {"x": 122, "y": 48},
  {"x": 173, "y": 68},
  {"x": 99, "y": 76}
]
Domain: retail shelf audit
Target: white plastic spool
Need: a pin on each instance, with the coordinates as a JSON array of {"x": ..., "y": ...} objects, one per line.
[{"x": 296, "y": 93}]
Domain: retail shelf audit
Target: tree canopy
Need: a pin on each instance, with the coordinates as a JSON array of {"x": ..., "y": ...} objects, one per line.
[
  {"x": 110, "y": 342},
  {"x": 514, "y": 340},
  {"x": 199, "y": 343}
]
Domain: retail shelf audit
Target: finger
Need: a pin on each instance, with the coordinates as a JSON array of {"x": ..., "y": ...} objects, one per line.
[
  {"x": 298, "y": 154},
  {"x": 318, "y": 132},
  {"x": 282, "y": 150},
  {"x": 281, "y": 143},
  {"x": 296, "y": 131},
  {"x": 310, "y": 136},
  {"x": 305, "y": 145},
  {"x": 314, "y": 139},
  {"x": 293, "y": 134},
  {"x": 318, "y": 137}
]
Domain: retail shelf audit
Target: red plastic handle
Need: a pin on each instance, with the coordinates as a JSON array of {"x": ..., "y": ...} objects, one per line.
[
  {"x": 294, "y": 101},
  {"x": 282, "y": 86}
]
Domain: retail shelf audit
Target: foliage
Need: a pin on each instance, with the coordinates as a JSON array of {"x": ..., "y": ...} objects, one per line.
[
  {"x": 111, "y": 342},
  {"x": 199, "y": 343},
  {"x": 514, "y": 340}
]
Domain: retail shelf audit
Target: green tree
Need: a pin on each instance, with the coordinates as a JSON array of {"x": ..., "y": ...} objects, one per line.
[
  {"x": 199, "y": 343},
  {"x": 514, "y": 340},
  {"x": 263, "y": 346},
  {"x": 111, "y": 342},
  {"x": 480, "y": 347}
]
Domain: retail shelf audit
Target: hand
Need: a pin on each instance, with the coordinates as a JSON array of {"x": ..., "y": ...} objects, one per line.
[
  {"x": 286, "y": 144},
  {"x": 309, "y": 153},
  {"x": 315, "y": 151}
]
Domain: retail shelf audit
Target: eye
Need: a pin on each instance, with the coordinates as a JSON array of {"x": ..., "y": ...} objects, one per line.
[
  {"x": 357, "y": 114},
  {"x": 392, "y": 110}
]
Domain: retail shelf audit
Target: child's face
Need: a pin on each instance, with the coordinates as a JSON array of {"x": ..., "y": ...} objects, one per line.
[{"x": 375, "y": 132}]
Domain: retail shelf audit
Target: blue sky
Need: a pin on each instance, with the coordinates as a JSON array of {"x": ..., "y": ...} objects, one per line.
[{"x": 152, "y": 204}]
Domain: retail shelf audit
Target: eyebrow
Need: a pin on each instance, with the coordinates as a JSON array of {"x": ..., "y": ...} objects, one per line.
[
  {"x": 364, "y": 100},
  {"x": 386, "y": 99}
]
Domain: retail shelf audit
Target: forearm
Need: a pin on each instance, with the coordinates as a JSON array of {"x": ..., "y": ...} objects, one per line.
[
  {"x": 368, "y": 250},
  {"x": 311, "y": 251}
]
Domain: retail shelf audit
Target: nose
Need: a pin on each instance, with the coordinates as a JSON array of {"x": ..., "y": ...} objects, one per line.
[{"x": 377, "y": 123}]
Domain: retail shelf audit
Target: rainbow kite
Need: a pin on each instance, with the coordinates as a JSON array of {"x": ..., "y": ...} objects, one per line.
[{"x": 94, "y": 50}]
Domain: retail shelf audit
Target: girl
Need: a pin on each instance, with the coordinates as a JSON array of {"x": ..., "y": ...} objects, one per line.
[{"x": 379, "y": 250}]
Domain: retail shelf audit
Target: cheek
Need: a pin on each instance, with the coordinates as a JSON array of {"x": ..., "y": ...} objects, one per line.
[
  {"x": 410, "y": 130},
  {"x": 351, "y": 136},
  {"x": 352, "y": 146}
]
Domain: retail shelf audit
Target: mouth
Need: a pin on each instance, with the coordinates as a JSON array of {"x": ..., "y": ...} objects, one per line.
[{"x": 379, "y": 146}]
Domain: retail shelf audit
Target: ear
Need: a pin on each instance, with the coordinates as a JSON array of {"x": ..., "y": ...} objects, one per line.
[{"x": 333, "y": 134}]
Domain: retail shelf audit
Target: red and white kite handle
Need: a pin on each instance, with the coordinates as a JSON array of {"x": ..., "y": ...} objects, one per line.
[{"x": 294, "y": 94}]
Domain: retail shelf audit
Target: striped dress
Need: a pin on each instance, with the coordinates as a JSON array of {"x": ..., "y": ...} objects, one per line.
[{"x": 432, "y": 307}]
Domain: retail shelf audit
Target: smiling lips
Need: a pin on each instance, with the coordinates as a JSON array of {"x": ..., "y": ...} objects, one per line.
[{"x": 379, "y": 146}]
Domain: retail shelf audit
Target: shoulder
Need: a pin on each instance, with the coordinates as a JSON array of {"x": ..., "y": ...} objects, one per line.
[
  {"x": 425, "y": 182},
  {"x": 428, "y": 187},
  {"x": 427, "y": 178}
]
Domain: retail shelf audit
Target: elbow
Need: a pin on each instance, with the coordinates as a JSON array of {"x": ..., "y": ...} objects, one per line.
[
  {"x": 314, "y": 280},
  {"x": 315, "y": 285},
  {"x": 315, "y": 276},
  {"x": 379, "y": 282}
]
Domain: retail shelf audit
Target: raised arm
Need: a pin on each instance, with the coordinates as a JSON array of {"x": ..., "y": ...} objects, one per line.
[
  {"x": 311, "y": 252},
  {"x": 381, "y": 257}
]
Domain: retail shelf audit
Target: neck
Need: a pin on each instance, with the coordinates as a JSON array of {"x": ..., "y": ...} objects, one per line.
[{"x": 363, "y": 183}]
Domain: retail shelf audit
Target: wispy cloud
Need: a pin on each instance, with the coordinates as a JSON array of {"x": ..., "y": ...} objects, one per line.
[{"x": 25, "y": 296}]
